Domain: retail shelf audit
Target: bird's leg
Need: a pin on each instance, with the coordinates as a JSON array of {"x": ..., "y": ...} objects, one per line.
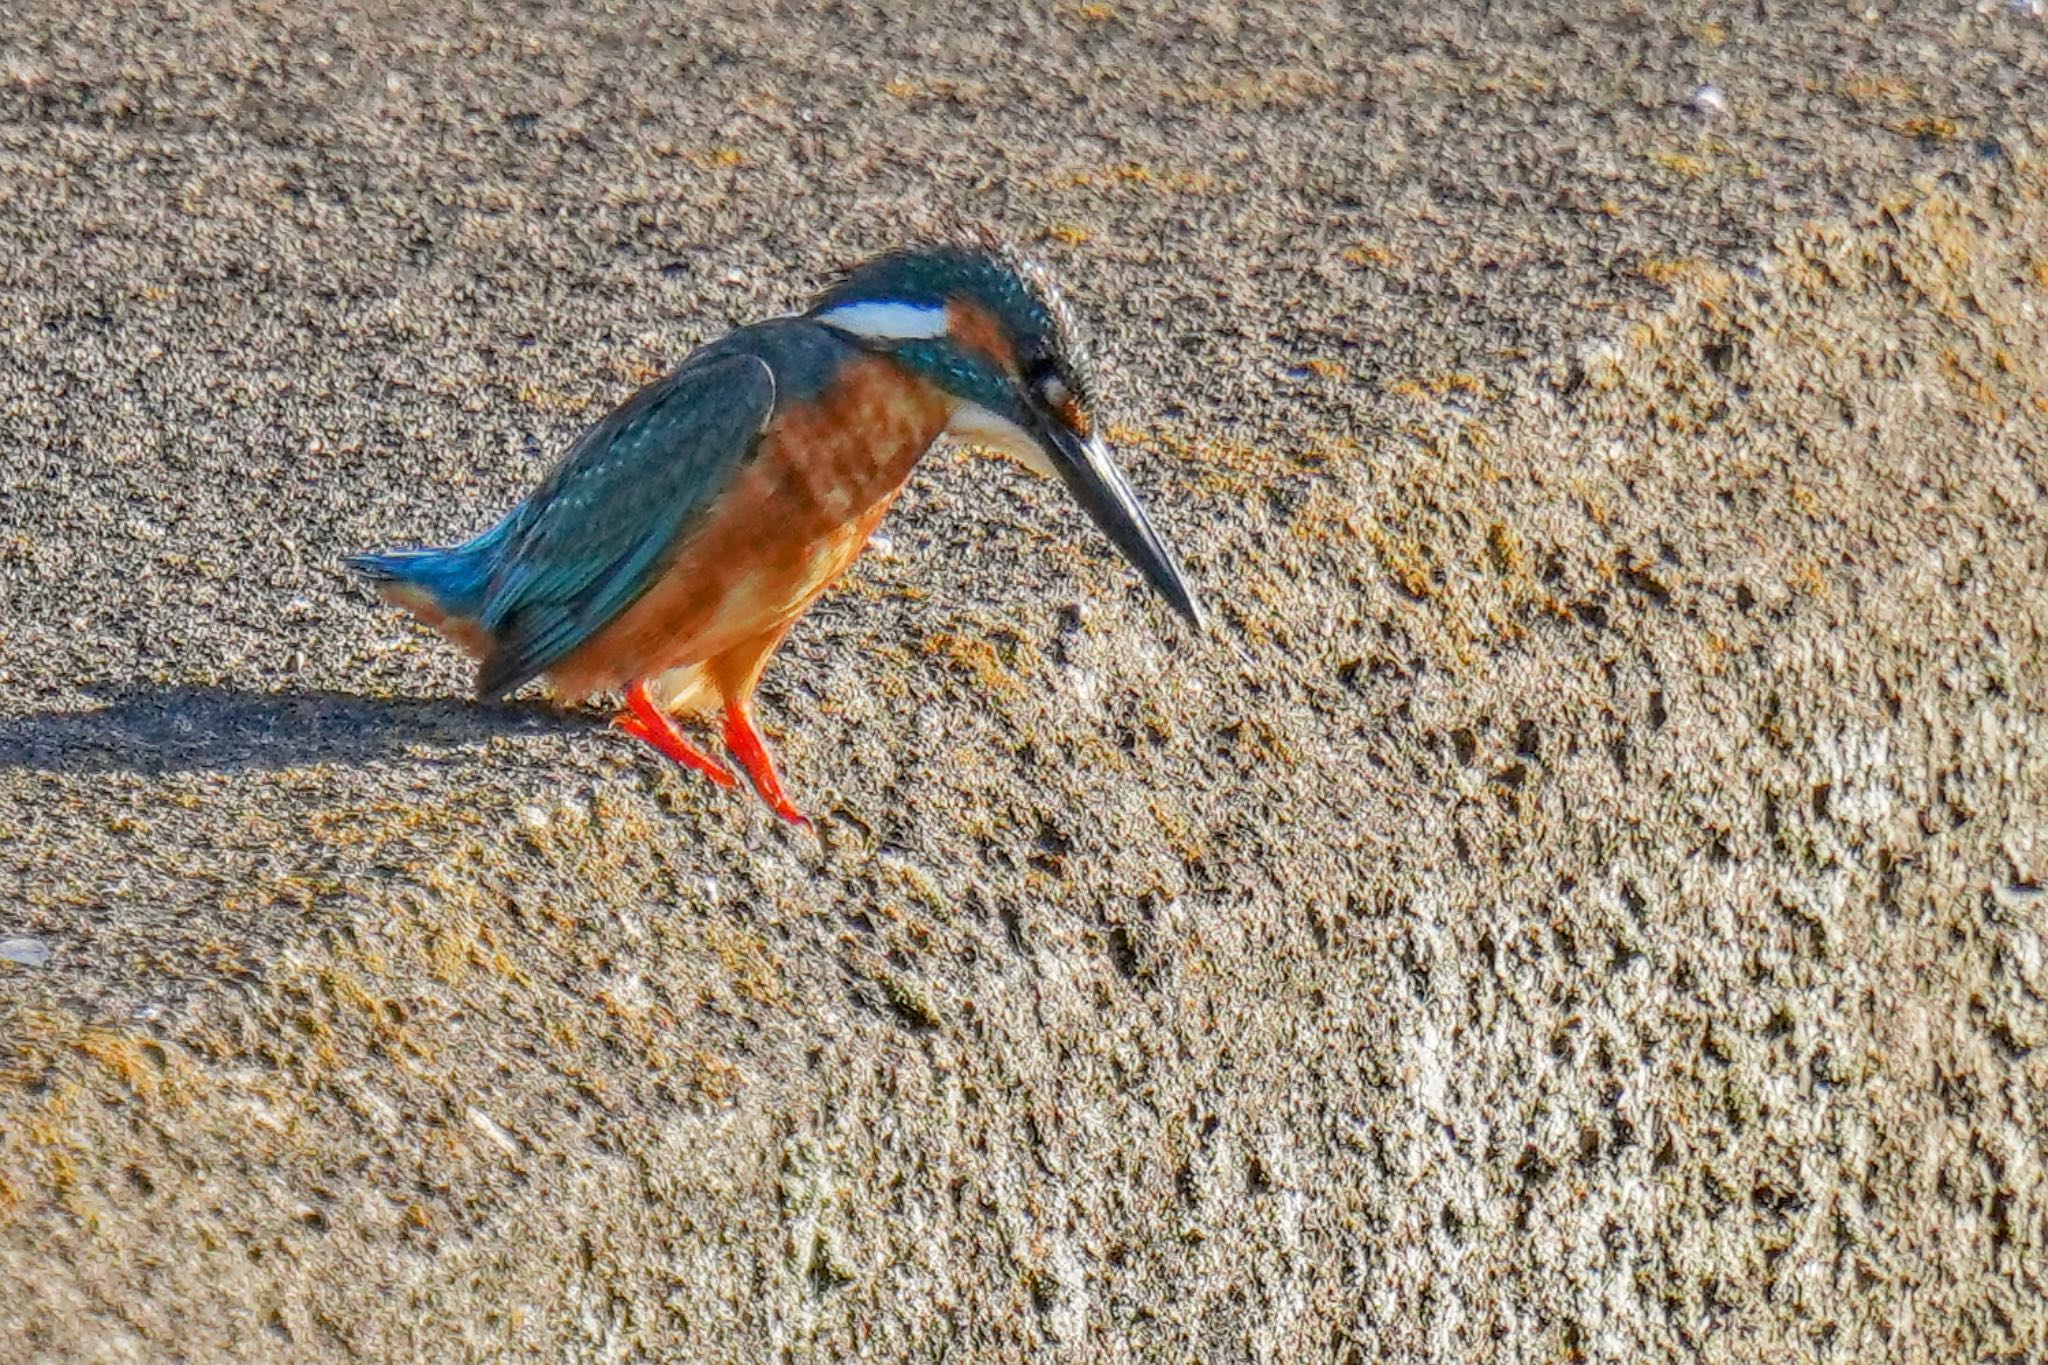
[
  {"x": 642, "y": 719},
  {"x": 735, "y": 673},
  {"x": 743, "y": 737}
]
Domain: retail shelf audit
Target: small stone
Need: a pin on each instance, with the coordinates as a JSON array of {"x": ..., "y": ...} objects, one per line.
[
  {"x": 24, "y": 952},
  {"x": 1708, "y": 101}
]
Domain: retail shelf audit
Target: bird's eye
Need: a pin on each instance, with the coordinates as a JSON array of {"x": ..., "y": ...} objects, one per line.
[
  {"x": 1059, "y": 399},
  {"x": 1052, "y": 390}
]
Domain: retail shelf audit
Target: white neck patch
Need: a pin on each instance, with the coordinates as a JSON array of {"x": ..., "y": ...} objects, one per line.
[
  {"x": 973, "y": 424},
  {"x": 888, "y": 321}
]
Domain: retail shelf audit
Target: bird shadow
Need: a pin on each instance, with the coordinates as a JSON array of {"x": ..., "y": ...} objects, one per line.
[{"x": 223, "y": 729}]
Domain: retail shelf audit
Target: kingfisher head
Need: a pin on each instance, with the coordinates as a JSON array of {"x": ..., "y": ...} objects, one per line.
[{"x": 991, "y": 332}]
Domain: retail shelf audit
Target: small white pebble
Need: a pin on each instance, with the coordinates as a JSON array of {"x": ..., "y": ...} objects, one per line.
[
  {"x": 881, "y": 545},
  {"x": 24, "y": 952},
  {"x": 1709, "y": 101},
  {"x": 1087, "y": 685},
  {"x": 533, "y": 817}
]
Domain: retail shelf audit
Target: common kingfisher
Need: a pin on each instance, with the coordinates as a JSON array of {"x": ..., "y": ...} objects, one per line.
[{"x": 675, "y": 543}]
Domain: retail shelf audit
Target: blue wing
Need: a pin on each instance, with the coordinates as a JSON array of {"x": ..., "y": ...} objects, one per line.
[{"x": 600, "y": 531}]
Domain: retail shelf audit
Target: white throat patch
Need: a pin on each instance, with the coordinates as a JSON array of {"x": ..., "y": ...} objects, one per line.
[
  {"x": 975, "y": 425},
  {"x": 888, "y": 321}
]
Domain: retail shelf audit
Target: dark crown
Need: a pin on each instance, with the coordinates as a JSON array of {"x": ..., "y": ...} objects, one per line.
[{"x": 1019, "y": 292}]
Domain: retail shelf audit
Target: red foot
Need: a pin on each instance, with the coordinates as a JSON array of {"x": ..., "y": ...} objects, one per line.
[
  {"x": 743, "y": 737},
  {"x": 642, "y": 719}
]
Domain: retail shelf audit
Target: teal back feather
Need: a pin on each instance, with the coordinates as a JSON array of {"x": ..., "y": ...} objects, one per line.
[{"x": 598, "y": 533}]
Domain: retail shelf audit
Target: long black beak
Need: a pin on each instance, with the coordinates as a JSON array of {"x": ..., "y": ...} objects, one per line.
[{"x": 1099, "y": 486}]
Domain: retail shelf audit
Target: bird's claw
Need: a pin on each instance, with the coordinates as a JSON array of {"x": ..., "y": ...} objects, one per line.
[{"x": 644, "y": 722}]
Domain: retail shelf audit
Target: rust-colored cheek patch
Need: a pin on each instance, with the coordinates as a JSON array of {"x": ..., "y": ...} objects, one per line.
[
  {"x": 1076, "y": 417},
  {"x": 975, "y": 329}
]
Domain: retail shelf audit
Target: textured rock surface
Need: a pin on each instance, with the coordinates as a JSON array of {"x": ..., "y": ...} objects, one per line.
[{"x": 1585, "y": 901}]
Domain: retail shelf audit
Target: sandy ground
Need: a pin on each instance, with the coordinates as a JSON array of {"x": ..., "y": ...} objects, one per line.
[{"x": 1583, "y": 901}]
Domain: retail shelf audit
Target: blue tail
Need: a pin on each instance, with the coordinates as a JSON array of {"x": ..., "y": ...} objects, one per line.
[{"x": 457, "y": 578}]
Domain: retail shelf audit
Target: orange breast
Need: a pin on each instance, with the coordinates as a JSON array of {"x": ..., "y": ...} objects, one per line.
[{"x": 794, "y": 520}]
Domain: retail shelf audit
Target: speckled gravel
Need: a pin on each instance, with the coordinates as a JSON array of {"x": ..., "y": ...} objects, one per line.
[{"x": 1582, "y": 901}]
